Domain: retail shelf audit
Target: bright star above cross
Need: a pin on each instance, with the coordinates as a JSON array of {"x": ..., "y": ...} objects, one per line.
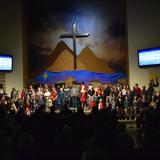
[{"x": 45, "y": 76}]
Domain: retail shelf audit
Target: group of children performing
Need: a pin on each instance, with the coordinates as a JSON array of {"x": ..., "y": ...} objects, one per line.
[{"x": 116, "y": 97}]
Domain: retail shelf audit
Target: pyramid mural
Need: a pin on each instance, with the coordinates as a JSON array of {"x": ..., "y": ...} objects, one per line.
[
  {"x": 93, "y": 63},
  {"x": 65, "y": 62},
  {"x": 103, "y": 51}
]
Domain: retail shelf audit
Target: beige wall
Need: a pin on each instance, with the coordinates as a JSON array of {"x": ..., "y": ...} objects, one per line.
[
  {"x": 143, "y": 32},
  {"x": 11, "y": 40}
]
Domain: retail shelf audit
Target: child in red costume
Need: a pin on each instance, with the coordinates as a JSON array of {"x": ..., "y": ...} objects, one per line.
[
  {"x": 100, "y": 105},
  {"x": 83, "y": 90}
]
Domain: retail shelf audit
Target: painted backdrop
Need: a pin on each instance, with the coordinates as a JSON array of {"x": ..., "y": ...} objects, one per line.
[{"x": 105, "y": 50}]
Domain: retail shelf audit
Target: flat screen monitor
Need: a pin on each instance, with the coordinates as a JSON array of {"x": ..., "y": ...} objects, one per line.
[
  {"x": 6, "y": 63},
  {"x": 149, "y": 57}
]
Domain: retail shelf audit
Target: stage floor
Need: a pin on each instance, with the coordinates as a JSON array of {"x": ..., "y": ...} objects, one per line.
[
  {"x": 87, "y": 111},
  {"x": 73, "y": 109}
]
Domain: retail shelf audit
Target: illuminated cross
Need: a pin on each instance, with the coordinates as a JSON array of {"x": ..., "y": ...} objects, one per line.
[{"x": 74, "y": 35}]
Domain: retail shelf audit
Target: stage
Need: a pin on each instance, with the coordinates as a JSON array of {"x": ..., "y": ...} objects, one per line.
[{"x": 130, "y": 121}]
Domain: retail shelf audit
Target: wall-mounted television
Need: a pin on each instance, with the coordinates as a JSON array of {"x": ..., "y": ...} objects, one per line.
[
  {"x": 6, "y": 63},
  {"x": 149, "y": 57}
]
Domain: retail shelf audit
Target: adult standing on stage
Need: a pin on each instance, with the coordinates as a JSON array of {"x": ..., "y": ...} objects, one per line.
[{"x": 74, "y": 96}]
